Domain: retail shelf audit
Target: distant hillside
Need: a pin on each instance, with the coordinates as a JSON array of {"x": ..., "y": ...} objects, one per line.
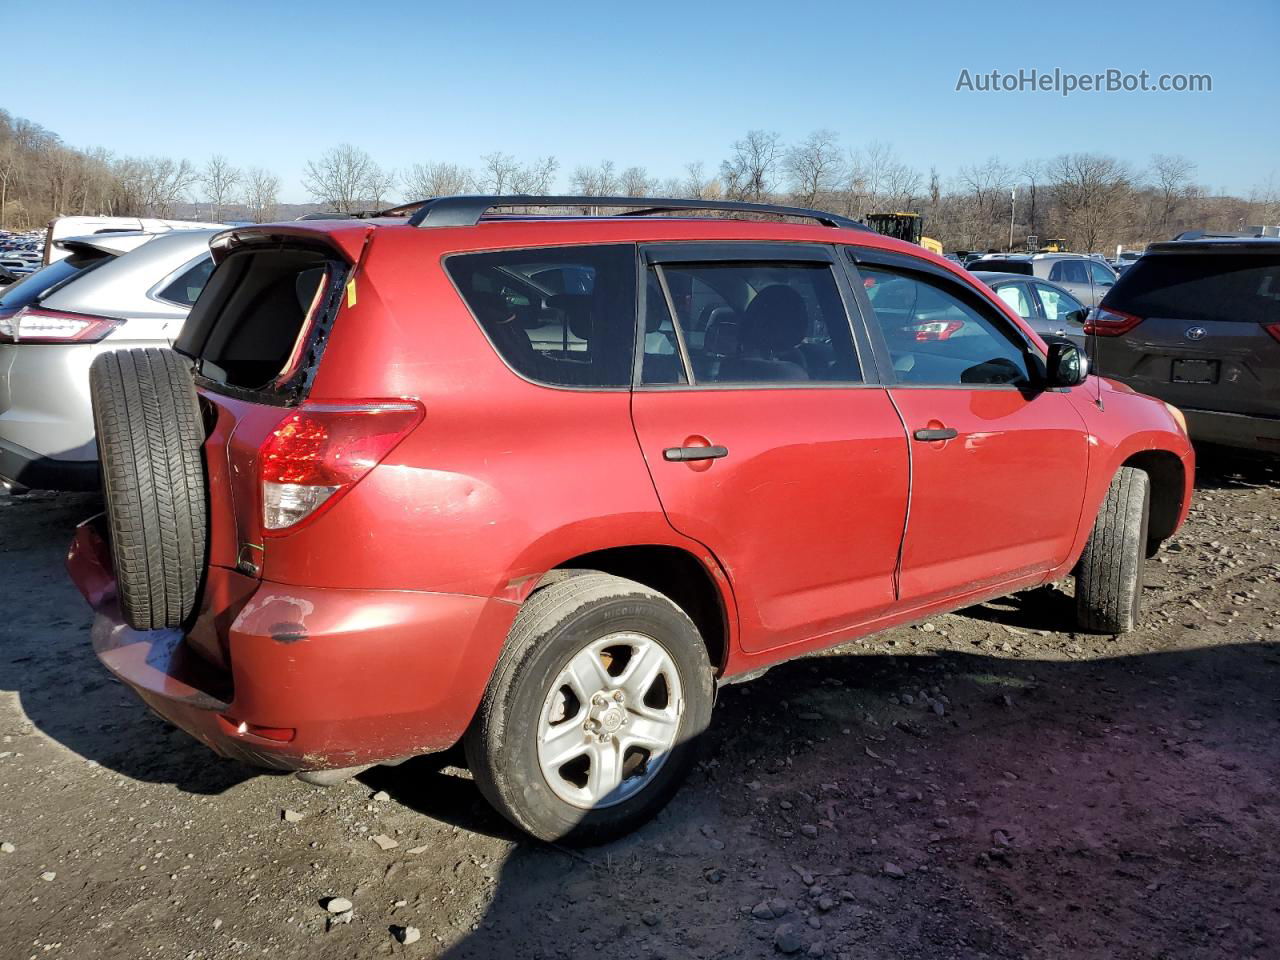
[{"x": 236, "y": 211}]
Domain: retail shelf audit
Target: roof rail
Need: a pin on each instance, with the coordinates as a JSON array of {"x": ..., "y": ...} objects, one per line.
[{"x": 467, "y": 211}]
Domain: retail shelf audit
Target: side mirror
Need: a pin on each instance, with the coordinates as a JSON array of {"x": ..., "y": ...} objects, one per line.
[
  {"x": 1066, "y": 365},
  {"x": 1076, "y": 317}
]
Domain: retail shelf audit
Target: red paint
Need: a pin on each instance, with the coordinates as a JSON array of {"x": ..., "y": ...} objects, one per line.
[{"x": 371, "y": 630}]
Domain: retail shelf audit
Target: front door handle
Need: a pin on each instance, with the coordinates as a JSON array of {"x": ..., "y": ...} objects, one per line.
[
  {"x": 685, "y": 454},
  {"x": 944, "y": 433}
]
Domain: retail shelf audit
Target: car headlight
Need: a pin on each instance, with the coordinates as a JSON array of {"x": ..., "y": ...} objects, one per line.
[{"x": 1177, "y": 415}]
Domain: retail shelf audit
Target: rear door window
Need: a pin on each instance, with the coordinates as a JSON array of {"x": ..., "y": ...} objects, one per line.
[
  {"x": 1015, "y": 295},
  {"x": 563, "y": 316},
  {"x": 1201, "y": 287},
  {"x": 747, "y": 323}
]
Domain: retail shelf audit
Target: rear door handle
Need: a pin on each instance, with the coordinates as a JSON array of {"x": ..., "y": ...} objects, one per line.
[
  {"x": 945, "y": 433},
  {"x": 684, "y": 454}
]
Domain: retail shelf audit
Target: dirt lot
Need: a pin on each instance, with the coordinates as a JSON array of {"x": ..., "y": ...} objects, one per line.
[{"x": 983, "y": 785}]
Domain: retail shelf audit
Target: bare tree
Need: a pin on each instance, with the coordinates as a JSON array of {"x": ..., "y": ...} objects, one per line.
[
  {"x": 635, "y": 182},
  {"x": 10, "y": 160},
  {"x": 695, "y": 185},
  {"x": 1171, "y": 175},
  {"x": 887, "y": 182},
  {"x": 379, "y": 185},
  {"x": 437, "y": 180},
  {"x": 165, "y": 183},
  {"x": 814, "y": 166},
  {"x": 1094, "y": 194},
  {"x": 340, "y": 178},
  {"x": 598, "y": 181},
  {"x": 220, "y": 181},
  {"x": 751, "y": 171},
  {"x": 536, "y": 177},
  {"x": 261, "y": 194}
]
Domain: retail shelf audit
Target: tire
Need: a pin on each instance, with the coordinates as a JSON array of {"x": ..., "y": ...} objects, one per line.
[
  {"x": 1110, "y": 576},
  {"x": 559, "y": 626},
  {"x": 150, "y": 442}
]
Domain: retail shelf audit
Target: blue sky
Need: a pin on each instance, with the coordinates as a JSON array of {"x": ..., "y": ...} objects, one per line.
[{"x": 652, "y": 83}]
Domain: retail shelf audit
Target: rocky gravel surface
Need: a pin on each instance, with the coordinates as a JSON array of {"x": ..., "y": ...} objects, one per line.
[{"x": 987, "y": 784}]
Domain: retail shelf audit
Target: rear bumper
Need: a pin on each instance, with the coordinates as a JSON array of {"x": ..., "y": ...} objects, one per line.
[
  {"x": 25, "y": 468},
  {"x": 333, "y": 678},
  {"x": 1243, "y": 431}
]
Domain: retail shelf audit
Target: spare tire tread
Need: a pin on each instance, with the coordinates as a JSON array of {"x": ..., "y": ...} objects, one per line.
[{"x": 150, "y": 441}]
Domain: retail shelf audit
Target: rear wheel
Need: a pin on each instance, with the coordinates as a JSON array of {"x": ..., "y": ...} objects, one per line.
[
  {"x": 150, "y": 440},
  {"x": 591, "y": 720},
  {"x": 1110, "y": 576}
]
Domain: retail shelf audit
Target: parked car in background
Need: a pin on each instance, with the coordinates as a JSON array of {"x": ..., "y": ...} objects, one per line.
[
  {"x": 62, "y": 227},
  {"x": 540, "y": 483},
  {"x": 7, "y": 276},
  {"x": 1197, "y": 323},
  {"x": 106, "y": 292},
  {"x": 1046, "y": 307},
  {"x": 1086, "y": 278}
]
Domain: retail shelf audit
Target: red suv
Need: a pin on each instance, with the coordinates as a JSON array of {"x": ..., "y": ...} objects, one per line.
[{"x": 542, "y": 482}]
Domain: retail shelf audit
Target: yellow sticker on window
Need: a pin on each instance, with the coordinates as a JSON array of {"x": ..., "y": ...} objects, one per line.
[{"x": 351, "y": 292}]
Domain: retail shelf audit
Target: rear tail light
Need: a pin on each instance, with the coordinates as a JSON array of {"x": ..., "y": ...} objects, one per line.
[
  {"x": 1110, "y": 323},
  {"x": 1273, "y": 329},
  {"x": 319, "y": 451},
  {"x": 936, "y": 330},
  {"x": 38, "y": 325}
]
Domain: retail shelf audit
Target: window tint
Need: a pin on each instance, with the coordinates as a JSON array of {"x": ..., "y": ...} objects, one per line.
[
  {"x": 558, "y": 315},
  {"x": 936, "y": 335},
  {"x": 186, "y": 288},
  {"x": 1003, "y": 266},
  {"x": 35, "y": 286},
  {"x": 1101, "y": 272},
  {"x": 1015, "y": 295},
  {"x": 756, "y": 323},
  {"x": 1069, "y": 271},
  {"x": 1202, "y": 288},
  {"x": 1057, "y": 304}
]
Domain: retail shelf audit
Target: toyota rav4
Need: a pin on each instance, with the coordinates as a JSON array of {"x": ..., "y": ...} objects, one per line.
[{"x": 540, "y": 482}]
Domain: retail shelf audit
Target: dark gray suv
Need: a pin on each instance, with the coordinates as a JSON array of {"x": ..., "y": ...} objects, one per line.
[{"x": 1197, "y": 324}]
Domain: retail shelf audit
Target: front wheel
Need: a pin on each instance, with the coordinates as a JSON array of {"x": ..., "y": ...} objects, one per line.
[
  {"x": 1110, "y": 576},
  {"x": 591, "y": 720}
]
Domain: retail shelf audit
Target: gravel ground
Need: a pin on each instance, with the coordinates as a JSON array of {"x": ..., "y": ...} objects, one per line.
[{"x": 982, "y": 785}]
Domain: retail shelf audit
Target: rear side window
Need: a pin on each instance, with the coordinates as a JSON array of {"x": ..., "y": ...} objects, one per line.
[
  {"x": 34, "y": 287},
  {"x": 1069, "y": 271},
  {"x": 745, "y": 323},
  {"x": 1201, "y": 288},
  {"x": 561, "y": 315},
  {"x": 187, "y": 286}
]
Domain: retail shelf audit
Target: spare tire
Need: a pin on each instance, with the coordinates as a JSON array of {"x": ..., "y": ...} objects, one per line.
[{"x": 150, "y": 442}]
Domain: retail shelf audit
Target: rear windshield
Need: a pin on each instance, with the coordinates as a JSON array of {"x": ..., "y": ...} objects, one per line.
[
  {"x": 1201, "y": 287},
  {"x": 34, "y": 287},
  {"x": 252, "y": 326},
  {"x": 560, "y": 315}
]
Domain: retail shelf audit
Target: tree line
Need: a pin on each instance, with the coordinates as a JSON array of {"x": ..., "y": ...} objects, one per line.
[{"x": 1093, "y": 201}]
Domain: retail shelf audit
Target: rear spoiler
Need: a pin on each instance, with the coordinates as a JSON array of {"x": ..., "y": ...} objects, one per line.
[{"x": 112, "y": 244}]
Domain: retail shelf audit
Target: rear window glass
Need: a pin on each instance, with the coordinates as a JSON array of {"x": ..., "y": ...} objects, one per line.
[
  {"x": 32, "y": 288},
  {"x": 1202, "y": 288},
  {"x": 186, "y": 288},
  {"x": 561, "y": 315}
]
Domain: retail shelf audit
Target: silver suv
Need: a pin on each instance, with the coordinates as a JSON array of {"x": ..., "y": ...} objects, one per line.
[
  {"x": 111, "y": 291},
  {"x": 1086, "y": 278}
]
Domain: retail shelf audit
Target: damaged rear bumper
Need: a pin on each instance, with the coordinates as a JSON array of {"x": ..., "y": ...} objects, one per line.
[{"x": 299, "y": 678}]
